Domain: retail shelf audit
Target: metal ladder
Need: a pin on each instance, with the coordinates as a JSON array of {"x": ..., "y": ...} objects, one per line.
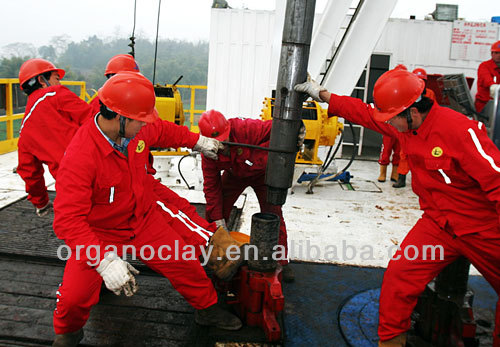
[{"x": 349, "y": 18}]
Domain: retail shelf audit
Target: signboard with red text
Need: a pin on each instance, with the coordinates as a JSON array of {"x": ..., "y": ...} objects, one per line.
[{"x": 472, "y": 40}]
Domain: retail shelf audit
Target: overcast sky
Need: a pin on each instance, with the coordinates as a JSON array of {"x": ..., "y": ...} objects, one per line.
[{"x": 37, "y": 21}]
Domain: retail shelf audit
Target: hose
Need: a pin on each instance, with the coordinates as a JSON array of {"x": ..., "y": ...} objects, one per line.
[
  {"x": 180, "y": 171},
  {"x": 328, "y": 161}
]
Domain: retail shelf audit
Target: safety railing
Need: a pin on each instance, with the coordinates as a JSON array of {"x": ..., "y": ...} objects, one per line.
[
  {"x": 12, "y": 104},
  {"x": 196, "y": 106}
]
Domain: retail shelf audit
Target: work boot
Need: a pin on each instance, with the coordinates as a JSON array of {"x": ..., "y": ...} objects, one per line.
[
  {"x": 398, "y": 341},
  {"x": 287, "y": 274},
  {"x": 68, "y": 339},
  {"x": 401, "y": 182},
  {"x": 218, "y": 317},
  {"x": 218, "y": 261},
  {"x": 394, "y": 173},
  {"x": 383, "y": 173}
]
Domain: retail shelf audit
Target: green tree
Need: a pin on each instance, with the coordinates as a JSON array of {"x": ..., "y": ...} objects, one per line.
[{"x": 9, "y": 67}]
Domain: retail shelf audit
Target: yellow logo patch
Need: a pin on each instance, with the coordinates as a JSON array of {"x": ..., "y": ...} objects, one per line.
[
  {"x": 437, "y": 152},
  {"x": 140, "y": 146}
]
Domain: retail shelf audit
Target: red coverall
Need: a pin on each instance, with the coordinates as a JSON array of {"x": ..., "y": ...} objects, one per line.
[
  {"x": 488, "y": 73},
  {"x": 456, "y": 175},
  {"x": 403, "y": 167},
  {"x": 244, "y": 167},
  {"x": 105, "y": 198},
  {"x": 390, "y": 145},
  {"x": 52, "y": 117}
]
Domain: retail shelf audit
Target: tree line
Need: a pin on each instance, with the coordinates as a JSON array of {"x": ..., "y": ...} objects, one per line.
[{"x": 86, "y": 60}]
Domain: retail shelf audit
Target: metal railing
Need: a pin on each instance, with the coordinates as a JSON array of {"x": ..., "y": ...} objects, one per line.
[
  {"x": 193, "y": 109},
  {"x": 13, "y": 102}
]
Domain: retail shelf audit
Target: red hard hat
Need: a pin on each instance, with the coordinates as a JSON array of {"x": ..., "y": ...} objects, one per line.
[
  {"x": 131, "y": 95},
  {"x": 121, "y": 62},
  {"x": 495, "y": 47},
  {"x": 420, "y": 73},
  {"x": 401, "y": 67},
  {"x": 34, "y": 67},
  {"x": 213, "y": 124},
  {"x": 395, "y": 91}
]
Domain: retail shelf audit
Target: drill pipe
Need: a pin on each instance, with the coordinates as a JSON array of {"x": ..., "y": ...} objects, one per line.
[{"x": 297, "y": 31}]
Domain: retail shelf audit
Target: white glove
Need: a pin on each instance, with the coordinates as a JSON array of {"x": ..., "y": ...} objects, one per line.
[
  {"x": 208, "y": 147},
  {"x": 43, "y": 211},
  {"x": 221, "y": 223},
  {"x": 493, "y": 88},
  {"x": 118, "y": 274},
  {"x": 302, "y": 135},
  {"x": 310, "y": 87}
]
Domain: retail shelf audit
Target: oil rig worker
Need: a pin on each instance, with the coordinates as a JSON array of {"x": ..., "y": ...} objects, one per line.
[
  {"x": 53, "y": 115},
  {"x": 105, "y": 201},
  {"x": 488, "y": 78},
  {"x": 390, "y": 151},
  {"x": 117, "y": 63},
  {"x": 403, "y": 167},
  {"x": 179, "y": 213},
  {"x": 243, "y": 167},
  {"x": 455, "y": 173}
]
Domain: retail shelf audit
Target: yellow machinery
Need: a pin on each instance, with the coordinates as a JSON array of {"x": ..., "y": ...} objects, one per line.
[
  {"x": 170, "y": 108},
  {"x": 169, "y": 103},
  {"x": 320, "y": 130}
]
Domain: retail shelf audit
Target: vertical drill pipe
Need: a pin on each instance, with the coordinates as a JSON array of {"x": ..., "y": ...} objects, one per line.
[
  {"x": 264, "y": 236},
  {"x": 295, "y": 46}
]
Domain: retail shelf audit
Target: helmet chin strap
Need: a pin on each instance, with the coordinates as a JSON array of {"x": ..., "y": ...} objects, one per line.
[
  {"x": 121, "y": 133},
  {"x": 45, "y": 80}
]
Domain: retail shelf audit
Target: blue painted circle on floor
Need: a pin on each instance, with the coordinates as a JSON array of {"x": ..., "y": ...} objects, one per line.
[{"x": 358, "y": 319}]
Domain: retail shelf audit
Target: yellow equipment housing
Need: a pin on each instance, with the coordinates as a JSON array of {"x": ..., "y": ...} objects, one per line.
[
  {"x": 169, "y": 103},
  {"x": 320, "y": 130},
  {"x": 170, "y": 108}
]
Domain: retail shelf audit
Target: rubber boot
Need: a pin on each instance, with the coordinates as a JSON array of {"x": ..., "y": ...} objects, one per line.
[
  {"x": 394, "y": 173},
  {"x": 383, "y": 173},
  {"x": 218, "y": 317},
  {"x": 398, "y": 341},
  {"x": 68, "y": 339},
  {"x": 401, "y": 182},
  {"x": 287, "y": 274},
  {"x": 218, "y": 261}
]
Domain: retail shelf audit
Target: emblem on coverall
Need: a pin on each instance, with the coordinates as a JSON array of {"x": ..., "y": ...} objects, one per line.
[
  {"x": 140, "y": 146},
  {"x": 437, "y": 152}
]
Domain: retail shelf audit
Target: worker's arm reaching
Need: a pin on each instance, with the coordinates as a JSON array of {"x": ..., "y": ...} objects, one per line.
[
  {"x": 349, "y": 108},
  {"x": 167, "y": 134}
]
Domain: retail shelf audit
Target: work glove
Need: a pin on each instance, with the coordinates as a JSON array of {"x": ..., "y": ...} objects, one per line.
[
  {"x": 118, "y": 275},
  {"x": 493, "y": 88},
  {"x": 302, "y": 135},
  {"x": 221, "y": 223},
  {"x": 208, "y": 147},
  {"x": 43, "y": 211},
  {"x": 310, "y": 87}
]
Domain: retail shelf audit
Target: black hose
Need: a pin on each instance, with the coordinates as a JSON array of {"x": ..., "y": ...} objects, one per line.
[
  {"x": 329, "y": 160},
  {"x": 180, "y": 172},
  {"x": 269, "y": 149}
]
